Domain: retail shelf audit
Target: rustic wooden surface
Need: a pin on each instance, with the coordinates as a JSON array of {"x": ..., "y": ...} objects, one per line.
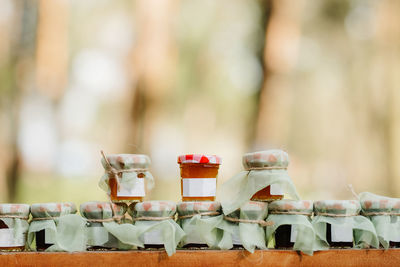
[{"x": 372, "y": 257}]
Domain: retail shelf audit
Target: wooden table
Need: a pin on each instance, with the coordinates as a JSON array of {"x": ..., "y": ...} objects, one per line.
[{"x": 349, "y": 257}]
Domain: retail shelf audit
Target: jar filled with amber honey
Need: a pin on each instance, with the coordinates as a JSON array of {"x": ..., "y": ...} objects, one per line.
[
  {"x": 126, "y": 177},
  {"x": 199, "y": 176}
]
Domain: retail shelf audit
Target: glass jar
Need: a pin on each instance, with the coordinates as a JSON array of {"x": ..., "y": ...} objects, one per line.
[
  {"x": 287, "y": 216},
  {"x": 204, "y": 213},
  {"x": 338, "y": 235},
  {"x": 43, "y": 212},
  {"x": 199, "y": 176},
  {"x": 13, "y": 216},
  {"x": 98, "y": 238},
  {"x": 132, "y": 173},
  {"x": 267, "y": 160},
  {"x": 384, "y": 213}
]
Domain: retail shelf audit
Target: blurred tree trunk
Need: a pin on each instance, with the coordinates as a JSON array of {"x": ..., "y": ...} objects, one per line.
[
  {"x": 153, "y": 62},
  {"x": 280, "y": 53},
  {"x": 20, "y": 66}
]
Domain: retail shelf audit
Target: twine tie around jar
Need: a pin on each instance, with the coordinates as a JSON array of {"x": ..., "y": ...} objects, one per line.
[
  {"x": 291, "y": 213},
  {"x": 147, "y": 218},
  {"x": 209, "y": 213},
  {"x": 335, "y": 215},
  {"x": 113, "y": 173},
  {"x": 266, "y": 168},
  {"x": 260, "y": 222},
  {"x": 14, "y": 217},
  {"x": 380, "y": 213}
]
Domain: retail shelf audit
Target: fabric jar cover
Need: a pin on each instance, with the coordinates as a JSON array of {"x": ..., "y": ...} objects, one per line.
[
  {"x": 294, "y": 213},
  {"x": 343, "y": 213},
  {"x": 200, "y": 222},
  {"x": 163, "y": 226},
  {"x": 251, "y": 235},
  {"x": 384, "y": 213},
  {"x": 15, "y": 216},
  {"x": 104, "y": 224},
  {"x": 59, "y": 220},
  {"x": 199, "y": 158},
  {"x": 241, "y": 187},
  {"x": 128, "y": 180}
]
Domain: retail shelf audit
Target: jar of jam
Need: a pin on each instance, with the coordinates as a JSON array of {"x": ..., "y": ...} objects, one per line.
[
  {"x": 126, "y": 177},
  {"x": 290, "y": 217},
  {"x": 42, "y": 229},
  {"x": 200, "y": 222},
  {"x": 339, "y": 232},
  {"x": 155, "y": 223},
  {"x": 243, "y": 227},
  {"x": 384, "y": 213},
  {"x": 199, "y": 176},
  {"x": 271, "y": 161},
  {"x": 13, "y": 216},
  {"x": 97, "y": 213}
]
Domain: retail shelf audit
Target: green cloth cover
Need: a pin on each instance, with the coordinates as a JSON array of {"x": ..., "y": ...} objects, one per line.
[
  {"x": 200, "y": 229},
  {"x": 171, "y": 232},
  {"x": 19, "y": 226},
  {"x": 305, "y": 233},
  {"x": 67, "y": 228},
  {"x": 127, "y": 179},
  {"x": 363, "y": 230},
  {"x": 241, "y": 187},
  {"x": 251, "y": 235},
  {"x": 387, "y": 226}
]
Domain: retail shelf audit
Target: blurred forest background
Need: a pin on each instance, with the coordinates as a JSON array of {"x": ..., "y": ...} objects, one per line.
[{"x": 319, "y": 79}]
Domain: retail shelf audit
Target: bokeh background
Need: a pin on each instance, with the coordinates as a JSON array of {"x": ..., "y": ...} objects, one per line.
[{"x": 319, "y": 79}]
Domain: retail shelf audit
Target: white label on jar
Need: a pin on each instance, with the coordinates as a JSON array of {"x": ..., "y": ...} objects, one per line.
[
  {"x": 275, "y": 190},
  {"x": 49, "y": 236},
  {"x": 236, "y": 236},
  {"x": 7, "y": 238},
  {"x": 97, "y": 235},
  {"x": 199, "y": 187},
  {"x": 341, "y": 233},
  {"x": 293, "y": 233},
  {"x": 136, "y": 191},
  {"x": 194, "y": 238},
  {"x": 153, "y": 238}
]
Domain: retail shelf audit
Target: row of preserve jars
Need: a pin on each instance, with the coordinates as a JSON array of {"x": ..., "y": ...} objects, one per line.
[
  {"x": 127, "y": 176},
  {"x": 153, "y": 224}
]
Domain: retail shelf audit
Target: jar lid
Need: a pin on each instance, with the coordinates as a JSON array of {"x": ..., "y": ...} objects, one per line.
[
  {"x": 251, "y": 210},
  {"x": 127, "y": 161},
  {"x": 190, "y": 207},
  {"x": 291, "y": 205},
  {"x": 254, "y": 206},
  {"x": 375, "y": 203},
  {"x": 337, "y": 206},
  {"x": 14, "y": 209},
  {"x": 102, "y": 210},
  {"x": 43, "y": 210},
  {"x": 199, "y": 158},
  {"x": 266, "y": 158},
  {"x": 155, "y": 206}
]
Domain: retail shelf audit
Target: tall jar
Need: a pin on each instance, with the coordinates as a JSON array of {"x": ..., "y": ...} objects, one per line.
[
  {"x": 384, "y": 213},
  {"x": 102, "y": 217},
  {"x": 199, "y": 176},
  {"x": 42, "y": 232},
  {"x": 200, "y": 222},
  {"x": 126, "y": 177},
  {"x": 265, "y": 178},
  {"x": 292, "y": 226},
  {"x": 13, "y": 226}
]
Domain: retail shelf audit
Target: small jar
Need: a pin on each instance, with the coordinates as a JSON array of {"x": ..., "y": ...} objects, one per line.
[
  {"x": 132, "y": 174},
  {"x": 384, "y": 214},
  {"x": 11, "y": 216},
  {"x": 338, "y": 235},
  {"x": 267, "y": 160},
  {"x": 98, "y": 238},
  {"x": 285, "y": 234},
  {"x": 42, "y": 212},
  {"x": 142, "y": 214},
  {"x": 199, "y": 176},
  {"x": 208, "y": 234}
]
